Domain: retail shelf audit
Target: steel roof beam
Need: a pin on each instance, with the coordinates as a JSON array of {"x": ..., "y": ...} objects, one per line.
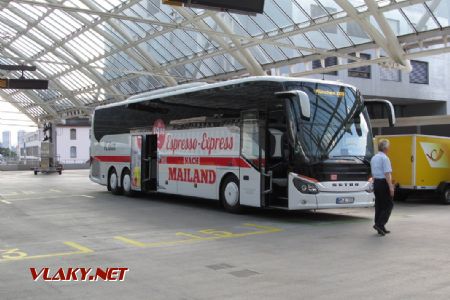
[
  {"x": 149, "y": 62},
  {"x": 37, "y": 41},
  {"x": 396, "y": 51},
  {"x": 14, "y": 103},
  {"x": 242, "y": 56},
  {"x": 427, "y": 15}
]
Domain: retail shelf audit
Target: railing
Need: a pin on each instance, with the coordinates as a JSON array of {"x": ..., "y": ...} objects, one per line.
[
  {"x": 74, "y": 161},
  {"x": 36, "y": 160}
]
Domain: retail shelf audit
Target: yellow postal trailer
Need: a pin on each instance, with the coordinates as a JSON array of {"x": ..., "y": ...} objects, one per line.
[{"x": 420, "y": 162}]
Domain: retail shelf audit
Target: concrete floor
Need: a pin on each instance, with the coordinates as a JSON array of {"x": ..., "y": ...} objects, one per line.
[{"x": 172, "y": 252}]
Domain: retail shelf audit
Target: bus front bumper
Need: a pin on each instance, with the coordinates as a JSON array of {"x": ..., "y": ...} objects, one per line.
[{"x": 329, "y": 200}]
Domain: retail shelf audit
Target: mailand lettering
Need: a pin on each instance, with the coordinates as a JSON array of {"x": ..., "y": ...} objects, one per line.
[{"x": 192, "y": 175}]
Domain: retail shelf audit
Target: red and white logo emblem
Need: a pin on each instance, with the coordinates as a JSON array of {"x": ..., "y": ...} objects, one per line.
[
  {"x": 333, "y": 177},
  {"x": 160, "y": 129}
]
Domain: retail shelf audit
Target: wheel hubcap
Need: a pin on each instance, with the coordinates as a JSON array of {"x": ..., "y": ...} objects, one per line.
[
  {"x": 113, "y": 181},
  {"x": 232, "y": 194},
  {"x": 127, "y": 183},
  {"x": 447, "y": 195}
]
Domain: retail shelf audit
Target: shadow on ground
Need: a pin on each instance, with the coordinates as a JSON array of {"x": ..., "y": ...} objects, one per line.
[{"x": 275, "y": 215}]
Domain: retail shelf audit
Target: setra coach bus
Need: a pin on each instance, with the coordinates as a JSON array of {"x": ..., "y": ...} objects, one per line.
[{"x": 273, "y": 142}]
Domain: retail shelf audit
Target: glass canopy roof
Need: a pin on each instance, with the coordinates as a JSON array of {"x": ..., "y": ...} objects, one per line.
[{"x": 100, "y": 51}]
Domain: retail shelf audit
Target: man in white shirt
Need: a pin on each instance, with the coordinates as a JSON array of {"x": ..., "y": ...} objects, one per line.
[{"x": 383, "y": 187}]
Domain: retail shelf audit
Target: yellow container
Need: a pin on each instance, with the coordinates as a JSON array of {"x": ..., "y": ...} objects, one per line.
[{"x": 419, "y": 161}]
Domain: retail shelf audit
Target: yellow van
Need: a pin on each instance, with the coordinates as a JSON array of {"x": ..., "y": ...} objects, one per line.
[{"x": 419, "y": 162}]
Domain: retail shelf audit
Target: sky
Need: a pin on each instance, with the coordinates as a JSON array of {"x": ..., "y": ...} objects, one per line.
[{"x": 13, "y": 120}]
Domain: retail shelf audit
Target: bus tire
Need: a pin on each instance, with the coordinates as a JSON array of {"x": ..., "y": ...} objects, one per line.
[
  {"x": 229, "y": 194},
  {"x": 126, "y": 183},
  {"x": 113, "y": 182},
  {"x": 445, "y": 194}
]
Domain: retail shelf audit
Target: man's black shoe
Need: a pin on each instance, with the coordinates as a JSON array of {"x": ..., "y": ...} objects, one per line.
[
  {"x": 385, "y": 230},
  {"x": 379, "y": 230}
]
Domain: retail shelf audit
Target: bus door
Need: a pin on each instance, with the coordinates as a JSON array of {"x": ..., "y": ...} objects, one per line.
[
  {"x": 150, "y": 162},
  {"x": 254, "y": 182}
]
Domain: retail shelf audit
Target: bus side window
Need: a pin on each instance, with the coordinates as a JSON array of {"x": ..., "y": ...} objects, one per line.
[
  {"x": 276, "y": 130},
  {"x": 276, "y": 143}
]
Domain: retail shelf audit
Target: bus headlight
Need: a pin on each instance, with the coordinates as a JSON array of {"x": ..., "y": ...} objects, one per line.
[{"x": 305, "y": 187}]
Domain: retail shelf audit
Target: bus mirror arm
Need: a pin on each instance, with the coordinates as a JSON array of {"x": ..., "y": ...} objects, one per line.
[
  {"x": 302, "y": 100},
  {"x": 389, "y": 106}
]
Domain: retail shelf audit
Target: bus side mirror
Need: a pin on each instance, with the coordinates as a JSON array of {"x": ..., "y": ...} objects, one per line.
[
  {"x": 388, "y": 104},
  {"x": 300, "y": 99}
]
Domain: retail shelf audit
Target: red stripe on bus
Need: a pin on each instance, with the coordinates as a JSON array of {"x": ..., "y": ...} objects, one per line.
[
  {"x": 181, "y": 160},
  {"x": 207, "y": 161},
  {"x": 120, "y": 159}
]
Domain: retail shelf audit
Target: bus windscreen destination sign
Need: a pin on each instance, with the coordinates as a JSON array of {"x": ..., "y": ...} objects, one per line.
[{"x": 249, "y": 6}]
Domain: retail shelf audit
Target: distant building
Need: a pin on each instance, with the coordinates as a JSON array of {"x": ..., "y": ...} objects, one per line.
[
  {"x": 20, "y": 136},
  {"x": 6, "y": 139},
  {"x": 71, "y": 142},
  {"x": 20, "y": 141},
  {"x": 30, "y": 144}
]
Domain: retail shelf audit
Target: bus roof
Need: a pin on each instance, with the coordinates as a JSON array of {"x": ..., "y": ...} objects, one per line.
[{"x": 199, "y": 86}]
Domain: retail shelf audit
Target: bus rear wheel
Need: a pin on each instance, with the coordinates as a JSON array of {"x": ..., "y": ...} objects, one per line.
[
  {"x": 113, "y": 183},
  {"x": 229, "y": 195},
  {"x": 126, "y": 184}
]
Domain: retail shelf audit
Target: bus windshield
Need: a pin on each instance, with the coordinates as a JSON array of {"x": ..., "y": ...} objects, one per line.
[{"x": 339, "y": 125}]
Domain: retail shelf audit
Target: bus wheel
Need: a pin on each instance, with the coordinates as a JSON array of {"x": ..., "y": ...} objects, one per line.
[
  {"x": 446, "y": 195},
  {"x": 126, "y": 183},
  {"x": 229, "y": 194},
  {"x": 114, "y": 182}
]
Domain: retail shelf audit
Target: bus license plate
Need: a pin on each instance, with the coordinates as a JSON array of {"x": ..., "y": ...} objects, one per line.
[{"x": 345, "y": 200}]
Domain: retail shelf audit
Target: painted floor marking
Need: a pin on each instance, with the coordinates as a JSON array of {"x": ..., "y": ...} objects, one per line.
[
  {"x": 9, "y": 194},
  {"x": 202, "y": 235},
  {"x": 29, "y": 192},
  {"x": 5, "y": 201},
  {"x": 15, "y": 254},
  {"x": 49, "y": 197}
]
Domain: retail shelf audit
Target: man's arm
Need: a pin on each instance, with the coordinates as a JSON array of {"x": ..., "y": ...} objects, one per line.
[
  {"x": 388, "y": 177},
  {"x": 387, "y": 168}
]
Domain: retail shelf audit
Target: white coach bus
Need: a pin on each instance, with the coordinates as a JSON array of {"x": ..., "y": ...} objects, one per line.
[{"x": 258, "y": 141}]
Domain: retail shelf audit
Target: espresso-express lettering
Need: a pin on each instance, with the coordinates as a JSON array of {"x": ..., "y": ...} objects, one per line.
[
  {"x": 186, "y": 144},
  {"x": 216, "y": 143},
  {"x": 207, "y": 143}
]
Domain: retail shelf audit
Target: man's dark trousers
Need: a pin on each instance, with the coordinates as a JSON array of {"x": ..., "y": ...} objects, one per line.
[{"x": 383, "y": 202}]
